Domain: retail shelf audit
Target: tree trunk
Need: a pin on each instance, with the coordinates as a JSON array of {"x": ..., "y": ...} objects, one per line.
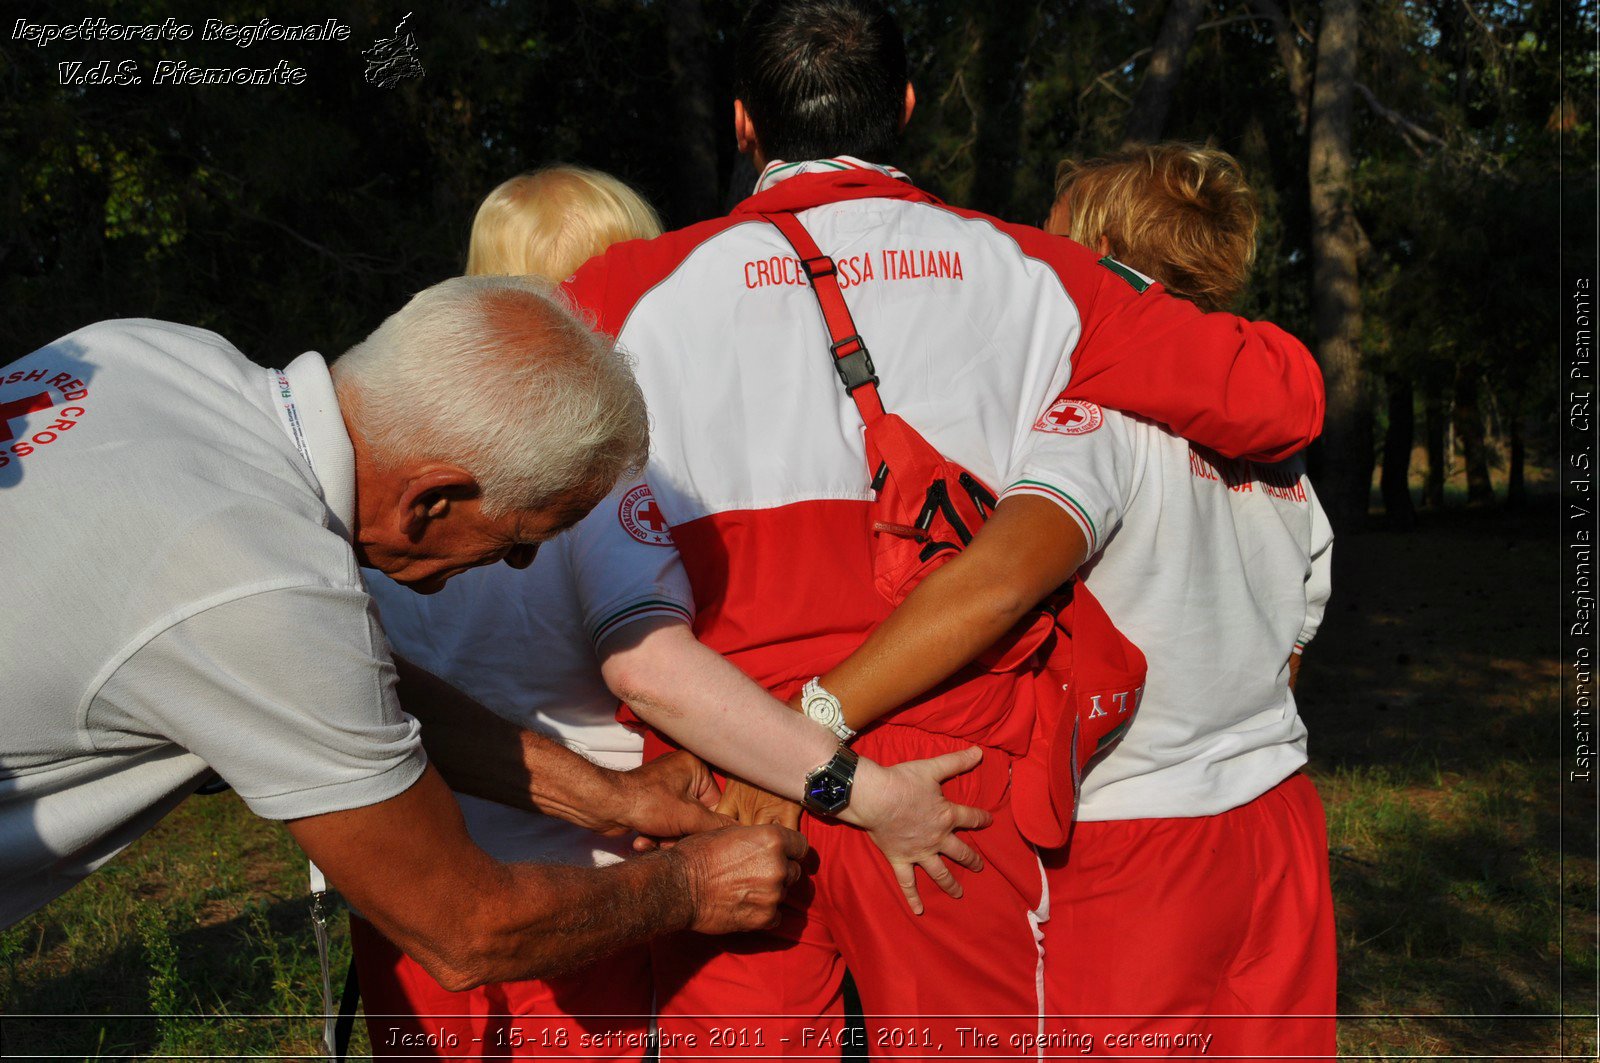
[
  {"x": 1434, "y": 431},
  {"x": 694, "y": 166},
  {"x": 1516, "y": 476},
  {"x": 1396, "y": 483},
  {"x": 1148, "y": 116},
  {"x": 1004, "y": 34},
  {"x": 1470, "y": 437},
  {"x": 1294, "y": 64},
  {"x": 1335, "y": 277}
]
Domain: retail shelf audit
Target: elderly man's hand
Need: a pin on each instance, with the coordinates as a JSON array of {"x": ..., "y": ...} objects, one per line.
[
  {"x": 666, "y": 798},
  {"x": 913, "y": 824},
  {"x": 738, "y": 875},
  {"x": 753, "y": 806}
]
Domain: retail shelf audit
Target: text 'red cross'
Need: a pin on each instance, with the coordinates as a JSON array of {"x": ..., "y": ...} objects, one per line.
[
  {"x": 652, "y": 517},
  {"x": 1066, "y": 416},
  {"x": 9, "y": 411}
]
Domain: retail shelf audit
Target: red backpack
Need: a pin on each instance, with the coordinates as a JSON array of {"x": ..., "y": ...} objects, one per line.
[{"x": 927, "y": 509}]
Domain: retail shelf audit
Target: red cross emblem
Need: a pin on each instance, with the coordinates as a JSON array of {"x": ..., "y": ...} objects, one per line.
[
  {"x": 650, "y": 515},
  {"x": 10, "y": 411},
  {"x": 642, "y": 518},
  {"x": 1070, "y": 417}
]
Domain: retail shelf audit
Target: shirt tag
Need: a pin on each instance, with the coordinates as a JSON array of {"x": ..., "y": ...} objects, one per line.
[{"x": 288, "y": 414}]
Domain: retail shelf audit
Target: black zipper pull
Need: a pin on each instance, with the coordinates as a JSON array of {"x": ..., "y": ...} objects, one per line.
[{"x": 981, "y": 496}]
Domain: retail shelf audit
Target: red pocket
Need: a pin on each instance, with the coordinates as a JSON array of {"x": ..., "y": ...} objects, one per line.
[
  {"x": 1085, "y": 694},
  {"x": 927, "y": 510}
]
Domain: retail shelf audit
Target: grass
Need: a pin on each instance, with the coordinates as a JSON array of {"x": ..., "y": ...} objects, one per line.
[
  {"x": 174, "y": 949},
  {"x": 1433, "y": 705},
  {"x": 1465, "y": 890}
]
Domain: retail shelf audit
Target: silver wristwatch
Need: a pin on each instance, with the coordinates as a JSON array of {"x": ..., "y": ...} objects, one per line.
[
  {"x": 823, "y": 707},
  {"x": 828, "y": 786}
]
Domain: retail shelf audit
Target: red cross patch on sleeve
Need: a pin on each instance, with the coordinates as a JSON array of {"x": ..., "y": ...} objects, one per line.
[
  {"x": 642, "y": 518},
  {"x": 1070, "y": 417}
]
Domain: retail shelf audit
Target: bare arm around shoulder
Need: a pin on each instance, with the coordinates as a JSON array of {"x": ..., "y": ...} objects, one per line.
[
  {"x": 487, "y": 756},
  {"x": 410, "y": 867}
]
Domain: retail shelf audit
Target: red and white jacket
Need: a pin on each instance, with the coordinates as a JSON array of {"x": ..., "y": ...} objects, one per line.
[{"x": 976, "y": 326}]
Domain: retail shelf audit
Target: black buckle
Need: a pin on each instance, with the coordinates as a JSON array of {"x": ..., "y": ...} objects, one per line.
[
  {"x": 854, "y": 366},
  {"x": 813, "y": 272}
]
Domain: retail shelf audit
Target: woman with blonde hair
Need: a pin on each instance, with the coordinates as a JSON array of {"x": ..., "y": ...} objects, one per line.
[
  {"x": 1193, "y": 900},
  {"x": 1182, "y": 213},
  {"x": 553, "y": 220}
]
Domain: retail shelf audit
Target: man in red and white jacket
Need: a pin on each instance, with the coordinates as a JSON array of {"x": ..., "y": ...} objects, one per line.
[{"x": 975, "y": 327}]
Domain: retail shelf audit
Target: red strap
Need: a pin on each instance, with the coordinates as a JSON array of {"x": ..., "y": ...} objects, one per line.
[{"x": 849, "y": 350}]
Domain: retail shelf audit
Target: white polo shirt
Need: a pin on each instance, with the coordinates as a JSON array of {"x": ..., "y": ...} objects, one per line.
[
  {"x": 179, "y": 595},
  {"x": 1218, "y": 571},
  {"x": 523, "y": 643}
]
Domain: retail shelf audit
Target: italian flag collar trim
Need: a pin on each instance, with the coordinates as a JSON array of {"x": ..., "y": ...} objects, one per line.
[
  {"x": 788, "y": 186},
  {"x": 778, "y": 170}
]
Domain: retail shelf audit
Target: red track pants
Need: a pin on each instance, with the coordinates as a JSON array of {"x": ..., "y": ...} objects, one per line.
[
  {"x": 943, "y": 983},
  {"x": 599, "y": 1012},
  {"x": 1166, "y": 927}
]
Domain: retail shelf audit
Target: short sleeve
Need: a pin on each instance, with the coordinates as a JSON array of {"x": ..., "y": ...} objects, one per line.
[
  {"x": 625, "y": 565},
  {"x": 288, "y": 694},
  {"x": 1081, "y": 457},
  {"x": 1319, "y": 582}
]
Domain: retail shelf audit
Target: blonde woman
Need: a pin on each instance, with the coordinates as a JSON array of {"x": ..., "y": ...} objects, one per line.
[
  {"x": 551, "y": 221},
  {"x": 1181, "y": 213},
  {"x": 1194, "y": 895}
]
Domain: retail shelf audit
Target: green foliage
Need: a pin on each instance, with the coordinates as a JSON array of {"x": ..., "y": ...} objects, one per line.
[
  {"x": 186, "y": 945},
  {"x": 1466, "y": 149},
  {"x": 297, "y": 217},
  {"x": 11, "y": 953},
  {"x": 167, "y": 995}
]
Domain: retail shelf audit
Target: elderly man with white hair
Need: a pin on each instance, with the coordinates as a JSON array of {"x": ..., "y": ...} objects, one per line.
[{"x": 180, "y": 554}]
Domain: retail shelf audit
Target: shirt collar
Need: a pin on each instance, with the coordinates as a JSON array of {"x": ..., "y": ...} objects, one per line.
[
  {"x": 308, "y": 411},
  {"x": 786, "y": 186},
  {"x": 778, "y": 170}
]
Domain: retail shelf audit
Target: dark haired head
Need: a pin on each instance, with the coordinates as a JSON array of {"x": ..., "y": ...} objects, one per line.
[{"x": 823, "y": 77}]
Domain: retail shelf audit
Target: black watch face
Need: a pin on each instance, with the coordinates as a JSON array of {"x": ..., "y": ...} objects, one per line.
[{"x": 828, "y": 793}]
